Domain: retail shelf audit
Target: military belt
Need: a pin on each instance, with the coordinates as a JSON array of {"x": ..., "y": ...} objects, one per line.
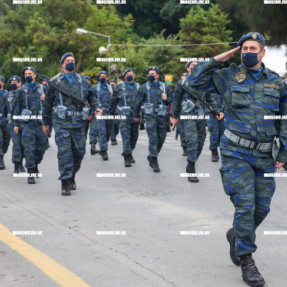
[{"x": 247, "y": 143}]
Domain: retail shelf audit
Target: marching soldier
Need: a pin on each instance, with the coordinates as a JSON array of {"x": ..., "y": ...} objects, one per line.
[
  {"x": 69, "y": 119},
  {"x": 103, "y": 92},
  {"x": 124, "y": 99},
  {"x": 18, "y": 149},
  {"x": 250, "y": 93},
  {"x": 155, "y": 96},
  {"x": 4, "y": 130},
  {"x": 28, "y": 105}
]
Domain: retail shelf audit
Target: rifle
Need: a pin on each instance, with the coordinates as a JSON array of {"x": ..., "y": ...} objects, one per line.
[
  {"x": 142, "y": 121},
  {"x": 71, "y": 98},
  {"x": 199, "y": 101}
]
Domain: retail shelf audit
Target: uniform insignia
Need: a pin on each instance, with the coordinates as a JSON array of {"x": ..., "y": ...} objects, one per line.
[
  {"x": 254, "y": 36},
  {"x": 272, "y": 86},
  {"x": 29, "y": 68},
  {"x": 241, "y": 76},
  {"x": 14, "y": 79}
]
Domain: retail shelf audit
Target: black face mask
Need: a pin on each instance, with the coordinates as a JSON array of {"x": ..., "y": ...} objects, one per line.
[
  {"x": 151, "y": 78},
  {"x": 13, "y": 87},
  {"x": 250, "y": 60},
  {"x": 29, "y": 79},
  {"x": 102, "y": 80},
  {"x": 70, "y": 66}
]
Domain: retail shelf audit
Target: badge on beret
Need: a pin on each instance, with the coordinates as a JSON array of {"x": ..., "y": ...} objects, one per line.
[
  {"x": 14, "y": 79},
  {"x": 29, "y": 68},
  {"x": 254, "y": 36}
]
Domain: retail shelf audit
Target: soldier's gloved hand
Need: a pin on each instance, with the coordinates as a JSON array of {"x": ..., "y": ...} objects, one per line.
[
  {"x": 16, "y": 130},
  {"x": 98, "y": 112},
  {"x": 174, "y": 122},
  {"x": 137, "y": 119},
  {"x": 46, "y": 129},
  {"x": 164, "y": 97},
  {"x": 279, "y": 164},
  {"x": 224, "y": 57},
  {"x": 220, "y": 116}
]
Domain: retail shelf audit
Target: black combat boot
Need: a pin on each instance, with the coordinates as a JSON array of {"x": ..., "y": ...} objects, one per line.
[
  {"x": 22, "y": 168},
  {"x": 127, "y": 160},
  {"x": 93, "y": 149},
  {"x": 16, "y": 167},
  {"x": 231, "y": 239},
  {"x": 31, "y": 179},
  {"x": 104, "y": 154},
  {"x": 73, "y": 183},
  {"x": 191, "y": 169},
  {"x": 132, "y": 158},
  {"x": 250, "y": 273},
  {"x": 149, "y": 158},
  {"x": 2, "y": 164},
  {"x": 66, "y": 190},
  {"x": 37, "y": 171},
  {"x": 184, "y": 151},
  {"x": 155, "y": 164},
  {"x": 214, "y": 155},
  {"x": 114, "y": 142}
]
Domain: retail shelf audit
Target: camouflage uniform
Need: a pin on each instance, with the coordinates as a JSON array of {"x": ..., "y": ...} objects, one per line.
[
  {"x": 155, "y": 124},
  {"x": 125, "y": 95},
  {"x": 104, "y": 127},
  {"x": 4, "y": 130},
  {"x": 246, "y": 100},
  {"x": 18, "y": 149},
  {"x": 34, "y": 140},
  {"x": 70, "y": 132}
]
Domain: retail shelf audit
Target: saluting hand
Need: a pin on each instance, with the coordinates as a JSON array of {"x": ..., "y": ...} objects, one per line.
[{"x": 224, "y": 57}]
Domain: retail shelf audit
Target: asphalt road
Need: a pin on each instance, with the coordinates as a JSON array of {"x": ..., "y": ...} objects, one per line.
[{"x": 147, "y": 212}]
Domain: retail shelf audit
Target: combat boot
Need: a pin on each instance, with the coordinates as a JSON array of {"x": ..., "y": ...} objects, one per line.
[
  {"x": 231, "y": 239},
  {"x": 155, "y": 164},
  {"x": 93, "y": 149},
  {"x": 184, "y": 151},
  {"x": 31, "y": 179},
  {"x": 16, "y": 167},
  {"x": 250, "y": 273},
  {"x": 191, "y": 169},
  {"x": 114, "y": 142},
  {"x": 37, "y": 171},
  {"x": 127, "y": 160},
  {"x": 149, "y": 158},
  {"x": 132, "y": 158},
  {"x": 104, "y": 154},
  {"x": 2, "y": 165},
  {"x": 214, "y": 155},
  {"x": 22, "y": 168},
  {"x": 73, "y": 183},
  {"x": 66, "y": 190}
]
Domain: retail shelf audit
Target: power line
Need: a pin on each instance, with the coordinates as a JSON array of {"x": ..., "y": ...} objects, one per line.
[{"x": 176, "y": 45}]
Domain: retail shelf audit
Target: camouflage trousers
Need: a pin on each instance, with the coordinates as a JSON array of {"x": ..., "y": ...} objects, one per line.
[
  {"x": 250, "y": 192},
  {"x": 71, "y": 145},
  {"x": 195, "y": 134},
  {"x": 4, "y": 138},
  {"x": 93, "y": 130},
  {"x": 181, "y": 133},
  {"x": 216, "y": 129},
  {"x": 104, "y": 129},
  {"x": 17, "y": 149},
  {"x": 130, "y": 133},
  {"x": 156, "y": 131},
  {"x": 35, "y": 143}
]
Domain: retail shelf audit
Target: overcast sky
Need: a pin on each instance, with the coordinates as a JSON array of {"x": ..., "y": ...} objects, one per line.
[{"x": 275, "y": 59}]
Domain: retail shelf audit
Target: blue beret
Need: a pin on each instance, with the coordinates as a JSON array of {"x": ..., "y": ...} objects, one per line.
[
  {"x": 30, "y": 69},
  {"x": 252, "y": 36},
  {"x": 188, "y": 63},
  {"x": 129, "y": 70},
  {"x": 15, "y": 78},
  {"x": 68, "y": 54},
  {"x": 153, "y": 69},
  {"x": 102, "y": 72},
  {"x": 88, "y": 77},
  {"x": 113, "y": 80},
  {"x": 2, "y": 79}
]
